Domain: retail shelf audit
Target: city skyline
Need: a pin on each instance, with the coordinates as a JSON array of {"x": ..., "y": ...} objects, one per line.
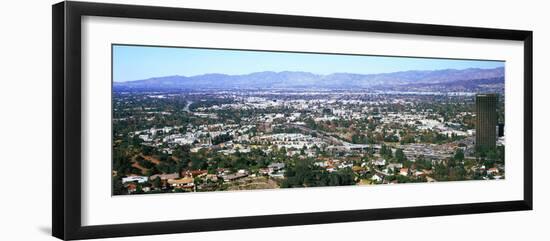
[{"x": 142, "y": 62}]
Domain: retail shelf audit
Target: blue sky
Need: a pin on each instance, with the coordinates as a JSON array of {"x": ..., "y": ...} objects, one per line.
[{"x": 142, "y": 62}]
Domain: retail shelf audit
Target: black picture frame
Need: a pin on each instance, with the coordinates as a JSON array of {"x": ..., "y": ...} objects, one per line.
[{"x": 66, "y": 128}]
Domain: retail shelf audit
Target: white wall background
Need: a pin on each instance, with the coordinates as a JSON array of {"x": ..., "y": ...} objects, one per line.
[{"x": 25, "y": 119}]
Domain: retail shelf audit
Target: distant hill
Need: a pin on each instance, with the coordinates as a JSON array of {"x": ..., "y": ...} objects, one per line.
[
  {"x": 448, "y": 78},
  {"x": 493, "y": 85}
]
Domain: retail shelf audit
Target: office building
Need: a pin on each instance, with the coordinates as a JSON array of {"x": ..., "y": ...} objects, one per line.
[{"x": 486, "y": 120}]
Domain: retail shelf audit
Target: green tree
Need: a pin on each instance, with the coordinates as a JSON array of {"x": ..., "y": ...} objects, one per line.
[
  {"x": 459, "y": 155},
  {"x": 386, "y": 151},
  {"x": 400, "y": 155},
  {"x": 157, "y": 182}
]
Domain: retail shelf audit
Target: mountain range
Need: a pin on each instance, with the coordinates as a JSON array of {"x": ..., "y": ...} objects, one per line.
[{"x": 463, "y": 79}]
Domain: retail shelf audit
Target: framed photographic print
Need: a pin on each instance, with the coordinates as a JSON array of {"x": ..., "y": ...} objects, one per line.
[{"x": 170, "y": 120}]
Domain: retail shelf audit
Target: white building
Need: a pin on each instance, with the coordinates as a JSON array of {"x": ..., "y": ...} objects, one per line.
[{"x": 139, "y": 179}]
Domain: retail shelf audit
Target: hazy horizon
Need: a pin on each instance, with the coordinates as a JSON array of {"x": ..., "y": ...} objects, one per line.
[
  {"x": 132, "y": 63},
  {"x": 292, "y": 71}
]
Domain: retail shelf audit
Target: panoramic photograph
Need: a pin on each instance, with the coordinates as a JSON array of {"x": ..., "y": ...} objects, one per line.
[{"x": 200, "y": 120}]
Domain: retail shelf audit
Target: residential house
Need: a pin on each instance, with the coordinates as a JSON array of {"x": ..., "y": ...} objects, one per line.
[
  {"x": 233, "y": 177},
  {"x": 164, "y": 176},
  {"x": 492, "y": 171},
  {"x": 185, "y": 182},
  {"x": 377, "y": 177}
]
